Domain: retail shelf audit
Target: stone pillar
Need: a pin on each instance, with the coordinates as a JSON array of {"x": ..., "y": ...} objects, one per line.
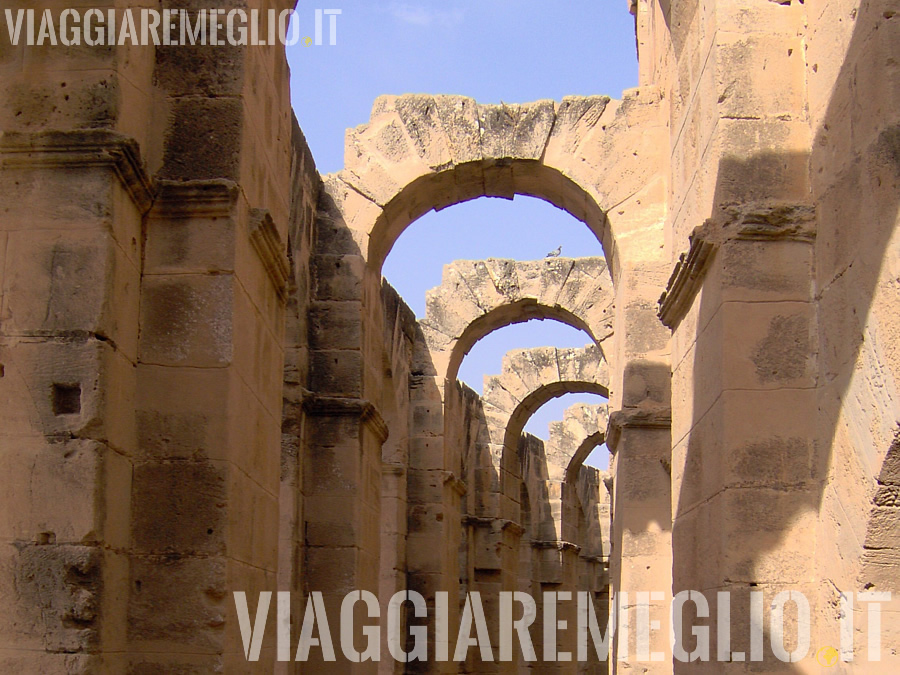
[
  {"x": 71, "y": 204},
  {"x": 205, "y": 496},
  {"x": 74, "y": 188},
  {"x": 641, "y": 556},
  {"x": 435, "y": 497},
  {"x": 342, "y": 509},
  {"x": 745, "y": 463}
]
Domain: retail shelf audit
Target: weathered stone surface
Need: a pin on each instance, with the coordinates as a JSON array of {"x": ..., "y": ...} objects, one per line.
[{"x": 206, "y": 387}]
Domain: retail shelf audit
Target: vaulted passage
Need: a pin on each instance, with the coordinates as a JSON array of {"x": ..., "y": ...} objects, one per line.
[{"x": 209, "y": 391}]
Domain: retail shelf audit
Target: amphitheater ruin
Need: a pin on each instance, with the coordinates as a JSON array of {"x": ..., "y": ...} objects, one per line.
[{"x": 208, "y": 388}]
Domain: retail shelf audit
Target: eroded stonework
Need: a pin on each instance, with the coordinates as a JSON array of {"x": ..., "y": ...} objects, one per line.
[{"x": 207, "y": 387}]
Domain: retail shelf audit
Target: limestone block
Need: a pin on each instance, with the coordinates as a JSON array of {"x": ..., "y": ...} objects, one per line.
[
  {"x": 642, "y": 481},
  {"x": 762, "y": 160},
  {"x": 884, "y": 528},
  {"x": 459, "y": 118},
  {"x": 191, "y": 498},
  {"x": 182, "y": 413},
  {"x": 54, "y": 491},
  {"x": 577, "y": 118},
  {"x": 329, "y": 472},
  {"x": 179, "y": 602},
  {"x": 219, "y": 121},
  {"x": 876, "y": 83},
  {"x": 504, "y": 277},
  {"x": 760, "y": 76},
  {"x": 90, "y": 100},
  {"x": 257, "y": 350},
  {"x": 533, "y": 367},
  {"x": 185, "y": 664},
  {"x": 754, "y": 271},
  {"x": 197, "y": 245},
  {"x": 335, "y": 325},
  {"x": 50, "y": 664},
  {"x": 344, "y": 218},
  {"x": 335, "y": 569},
  {"x": 338, "y": 277},
  {"x": 200, "y": 70},
  {"x": 336, "y": 372},
  {"x": 426, "y": 452},
  {"x": 251, "y": 512},
  {"x": 771, "y": 345},
  {"x": 4, "y": 237},
  {"x": 515, "y": 131},
  {"x": 696, "y": 473},
  {"x": 425, "y": 519},
  {"x": 56, "y": 387},
  {"x": 187, "y": 320},
  {"x": 69, "y": 281},
  {"x": 421, "y": 116},
  {"x": 57, "y": 592}
]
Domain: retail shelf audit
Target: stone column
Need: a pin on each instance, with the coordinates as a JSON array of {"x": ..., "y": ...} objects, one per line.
[
  {"x": 71, "y": 204},
  {"x": 745, "y": 463},
  {"x": 74, "y": 188},
  {"x": 342, "y": 510},
  {"x": 641, "y": 556},
  {"x": 205, "y": 496}
]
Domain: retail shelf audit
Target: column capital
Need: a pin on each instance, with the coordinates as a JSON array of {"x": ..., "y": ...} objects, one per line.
[
  {"x": 336, "y": 406},
  {"x": 632, "y": 418}
]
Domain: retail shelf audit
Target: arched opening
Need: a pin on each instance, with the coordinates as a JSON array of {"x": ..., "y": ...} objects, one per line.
[
  {"x": 538, "y": 398},
  {"x": 503, "y": 177},
  {"x": 509, "y": 315},
  {"x": 550, "y": 420},
  {"x": 521, "y": 229},
  {"x": 486, "y": 355}
]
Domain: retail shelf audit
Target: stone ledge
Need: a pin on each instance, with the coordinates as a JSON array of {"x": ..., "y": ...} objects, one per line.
[
  {"x": 556, "y": 545},
  {"x": 188, "y": 199},
  {"x": 335, "y": 406},
  {"x": 268, "y": 245},
  {"x": 500, "y": 523},
  {"x": 82, "y": 148},
  {"x": 685, "y": 282},
  {"x": 636, "y": 418}
]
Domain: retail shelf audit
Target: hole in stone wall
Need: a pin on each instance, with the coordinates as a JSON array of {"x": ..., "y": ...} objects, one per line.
[
  {"x": 45, "y": 538},
  {"x": 66, "y": 399},
  {"x": 2, "y": 371}
]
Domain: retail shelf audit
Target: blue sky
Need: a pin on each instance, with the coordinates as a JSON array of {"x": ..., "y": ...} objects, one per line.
[{"x": 492, "y": 50}]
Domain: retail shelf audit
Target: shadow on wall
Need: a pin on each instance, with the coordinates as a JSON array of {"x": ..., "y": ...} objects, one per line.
[{"x": 755, "y": 491}]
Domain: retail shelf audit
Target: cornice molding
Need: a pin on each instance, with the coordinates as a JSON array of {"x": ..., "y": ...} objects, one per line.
[
  {"x": 733, "y": 222},
  {"x": 498, "y": 523},
  {"x": 270, "y": 249},
  {"x": 685, "y": 281},
  {"x": 81, "y": 148},
  {"x": 554, "y": 544},
  {"x": 195, "y": 198},
  {"x": 335, "y": 406},
  {"x": 635, "y": 418}
]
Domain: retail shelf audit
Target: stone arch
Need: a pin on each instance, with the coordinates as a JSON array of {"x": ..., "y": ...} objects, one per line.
[
  {"x": 582, "y": 428},
  {"x": 478, "y": 297},
  {"x": 530, "y": 378},
  {"x": 587, "y": 156},
  {"x": 572, "y": 439},
  {"x": 423, "y": 152}
]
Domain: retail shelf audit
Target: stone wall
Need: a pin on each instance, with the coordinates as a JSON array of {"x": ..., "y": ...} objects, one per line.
[{"x": 206, "y": 386}]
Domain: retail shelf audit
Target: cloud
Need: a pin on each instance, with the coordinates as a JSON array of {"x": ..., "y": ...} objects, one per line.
[{"x": 417, "y": 15}]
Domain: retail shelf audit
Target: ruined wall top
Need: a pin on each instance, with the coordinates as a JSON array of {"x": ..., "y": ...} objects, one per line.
[
  {"x": 477, "y": 297},
  {"x": 531, "y": 377},
  {"x": 586, "y": 155}
]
